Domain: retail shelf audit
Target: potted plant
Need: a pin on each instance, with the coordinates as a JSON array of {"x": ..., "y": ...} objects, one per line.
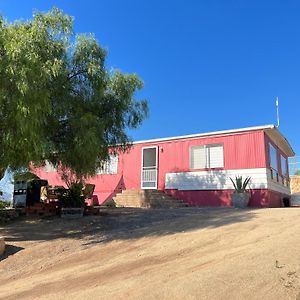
[
  {"x": 240, "y": 196},
  {"x": 72, "y": 201}
]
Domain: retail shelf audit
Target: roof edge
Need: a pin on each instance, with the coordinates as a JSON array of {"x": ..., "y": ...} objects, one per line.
[
  {"x": 212, "y": 133},
  {"x": 291, "y": 152}
]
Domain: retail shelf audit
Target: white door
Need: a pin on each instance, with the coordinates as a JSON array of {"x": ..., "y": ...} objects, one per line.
[{"x": 149, "y": 168}]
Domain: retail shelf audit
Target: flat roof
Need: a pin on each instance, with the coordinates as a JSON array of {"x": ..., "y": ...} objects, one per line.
[{"x": 267, "y": 128}]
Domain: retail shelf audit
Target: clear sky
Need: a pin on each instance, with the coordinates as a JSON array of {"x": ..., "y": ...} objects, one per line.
[{"x": 207, "y": 65}]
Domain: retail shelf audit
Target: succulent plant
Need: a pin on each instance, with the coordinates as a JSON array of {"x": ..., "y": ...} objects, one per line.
[{"x": 239, "y": 184}]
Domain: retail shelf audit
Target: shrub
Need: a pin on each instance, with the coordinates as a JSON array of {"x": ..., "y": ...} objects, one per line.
[
  {"x": 72, "y": 197},
  {"x": 4, "y": 204}
]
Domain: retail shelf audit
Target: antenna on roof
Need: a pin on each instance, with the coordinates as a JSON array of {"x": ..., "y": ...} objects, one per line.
[{"x": 277, "y": 110}]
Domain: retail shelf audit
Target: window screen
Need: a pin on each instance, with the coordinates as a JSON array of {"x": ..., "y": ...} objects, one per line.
[
  {"x": 273, "y": 158},
  {"x": 283, "y": 165},
  {"x": 110, "y": 166},
  {"x": 198, "y": 157},
  {"x": 215, "y": 156},
  {"x": 207, "y": 156},
  {"x": 49, "y": 167}
]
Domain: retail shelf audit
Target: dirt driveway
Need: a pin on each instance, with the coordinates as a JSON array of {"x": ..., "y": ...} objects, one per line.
[{"x": 155, "y": 254}]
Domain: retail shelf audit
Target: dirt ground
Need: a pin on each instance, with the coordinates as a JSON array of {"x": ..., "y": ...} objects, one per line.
[{"x": 184, "y": 253}]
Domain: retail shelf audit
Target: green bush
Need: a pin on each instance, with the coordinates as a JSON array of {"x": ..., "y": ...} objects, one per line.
[
  {"x": 4, "y": 204},
  {"x": 72, "y": 197}
]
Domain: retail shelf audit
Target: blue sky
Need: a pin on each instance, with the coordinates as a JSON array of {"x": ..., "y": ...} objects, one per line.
[{"x": 207, "y": 65}]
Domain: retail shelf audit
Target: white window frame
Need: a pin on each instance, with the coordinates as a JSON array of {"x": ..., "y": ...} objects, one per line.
[
  {"x": 107, "y": 168},
  {"x": 207, "y": 158},
  {"x": 48, "y": 167}
]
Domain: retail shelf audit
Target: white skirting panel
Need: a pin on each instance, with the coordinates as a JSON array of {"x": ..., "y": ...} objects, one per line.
[
  {"x": 220, "y": 180},
  {"x": 277, "y": 186}
]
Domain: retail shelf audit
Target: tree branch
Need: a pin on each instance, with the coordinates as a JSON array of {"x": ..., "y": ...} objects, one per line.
[{"x": 76, "y": 74}]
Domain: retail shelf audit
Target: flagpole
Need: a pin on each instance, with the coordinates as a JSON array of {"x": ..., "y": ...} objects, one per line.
[{"x": 277, "y": 110}]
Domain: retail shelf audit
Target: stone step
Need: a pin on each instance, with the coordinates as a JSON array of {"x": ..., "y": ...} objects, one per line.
[
  {"x": 151, "y": 198},
  {"x": 147, "y": 198},
  {"x": 146, "y": 193},
  {"x": 138, "y": 192}
]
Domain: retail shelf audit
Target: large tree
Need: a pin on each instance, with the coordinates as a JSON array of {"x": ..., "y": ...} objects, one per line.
[{"x": 58, "y": 101}]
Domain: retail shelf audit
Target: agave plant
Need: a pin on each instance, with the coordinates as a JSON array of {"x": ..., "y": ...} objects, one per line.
[{"x": 239, "y": 184}]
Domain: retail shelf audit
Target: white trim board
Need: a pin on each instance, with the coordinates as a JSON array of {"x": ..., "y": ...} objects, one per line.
[{"x": 220, "y": 180}]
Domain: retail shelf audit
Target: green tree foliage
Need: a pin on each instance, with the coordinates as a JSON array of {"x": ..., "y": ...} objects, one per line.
[
  {"x": 24, "y": 175},
  {"x": 297, "y": 173},
  {"x": 58, "y": 101}
]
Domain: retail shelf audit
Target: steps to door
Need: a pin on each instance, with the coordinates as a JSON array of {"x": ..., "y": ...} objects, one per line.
[{"x": 147, "y": 199}]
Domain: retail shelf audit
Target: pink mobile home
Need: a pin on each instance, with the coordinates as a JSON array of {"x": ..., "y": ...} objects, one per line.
[{"x": 197, "y": 168}]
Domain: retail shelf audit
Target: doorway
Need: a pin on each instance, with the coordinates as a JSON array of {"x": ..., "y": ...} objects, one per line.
[{"x": 149, "y": 168}]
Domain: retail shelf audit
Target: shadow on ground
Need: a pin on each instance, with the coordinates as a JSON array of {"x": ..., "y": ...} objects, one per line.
[
  {"x": 10, "y": 250},
  {"x": 124, "y": 223}
]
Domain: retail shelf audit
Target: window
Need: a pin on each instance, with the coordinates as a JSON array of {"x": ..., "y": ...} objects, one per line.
[
  {"x": 110, "y": 166},
  {"x": 49, "y": 167},
  {"x": 207, "y": 156},
  {"x": 283, "y": 165},
  {"x": 273, "y": 158}
]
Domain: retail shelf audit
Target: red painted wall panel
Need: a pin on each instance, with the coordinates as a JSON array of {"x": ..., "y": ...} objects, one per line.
[
  {"x": 245, "y": 150},
  {"x": 241, "y": 151},
  {"x": 261, "y": 198}
]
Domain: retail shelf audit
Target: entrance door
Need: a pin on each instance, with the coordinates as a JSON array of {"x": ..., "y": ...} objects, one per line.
[{"x": 149, "y": 168}]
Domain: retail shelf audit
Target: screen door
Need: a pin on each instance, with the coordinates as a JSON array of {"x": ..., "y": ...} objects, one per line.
[{"x": 149, "y": 168}]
